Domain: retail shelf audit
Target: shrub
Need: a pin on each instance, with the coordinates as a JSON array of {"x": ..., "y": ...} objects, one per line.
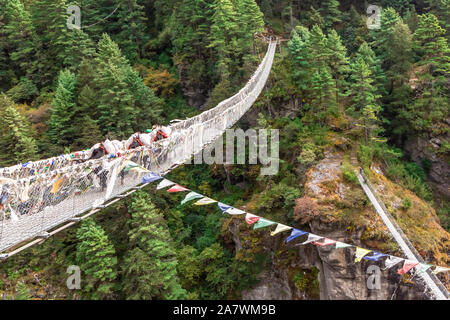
[
  {"x": 348, "y": 173},
  {"x": 406, "y": 203}
]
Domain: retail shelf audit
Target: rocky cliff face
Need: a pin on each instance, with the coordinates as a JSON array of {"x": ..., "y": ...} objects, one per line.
[
  {"x": 427, "y": 149},
  {"x": 341, "y": 212}
]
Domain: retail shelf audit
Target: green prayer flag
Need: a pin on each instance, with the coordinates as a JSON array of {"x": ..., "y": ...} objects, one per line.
[
  {"x": 191, "y": 196},
  {"x": 342, "y": 245},
  {"x": 263, "y": 223}
]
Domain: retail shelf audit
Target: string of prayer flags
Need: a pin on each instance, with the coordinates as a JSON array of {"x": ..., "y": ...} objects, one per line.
[
  {"x": 422, "y": 267},
  {"x": 375, "y": 257},
  {"x": 191, "y": 196},
  {"x": 324, "y": 242},
  {"x": 223, "y": 207},
  {"x": 439, "y": 269},
  {"x": 340, "y": 245},
  {"x": 251, "y": 218},
  {"x": 164, "y": 183},
  {"x": 295, "y": 234},
  {"x": 204, "y": 201},
  {"x": 311, "y": 238},
  {"x": 360, "y": 253},
  {"x": 261, "y": 223},
  {"x": 177, "y": 188},
  {"x": 407, "y": 265},
  {"x": 280, "y": 228},
  {"x": 392, "y": 261},
  {"x": 234, "y": 211}
]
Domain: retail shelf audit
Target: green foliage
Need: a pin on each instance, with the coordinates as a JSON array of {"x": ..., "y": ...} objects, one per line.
[
  {"x": 16, "y": 139},
  {"x": 97, "y": 259},
  {"x": 406, "y": 203},
  {"x": 150, "y": 266},
  {"x": 349, "y": 174},
  {"x": 61, "y": 127}
]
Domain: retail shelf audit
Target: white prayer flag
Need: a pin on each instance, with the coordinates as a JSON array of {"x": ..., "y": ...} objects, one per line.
[
  {"x": 392, "y": 261},
  {"x": 280, "y": 228},
  {"x": 163, "y": 184}
]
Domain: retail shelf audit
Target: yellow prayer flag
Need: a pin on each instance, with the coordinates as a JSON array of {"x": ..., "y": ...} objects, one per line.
[
  {"x": 360, "y": 253},
  {"x": 204, "y": 201},
  {"x": 280, "y": 228},
  {"x": 57, "y": 185}
]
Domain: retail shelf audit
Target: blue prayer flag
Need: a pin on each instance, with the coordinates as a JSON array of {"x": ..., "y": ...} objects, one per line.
[
  {"x": 223, "y": 207},
  {"x": 294, "y": 234},
  {"x": 375, "y": 256},
  {"x": 150, "y": 177}
]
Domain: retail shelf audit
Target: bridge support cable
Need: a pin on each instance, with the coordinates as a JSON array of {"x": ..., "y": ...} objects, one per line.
[
  {"x": 437, "y": 289},
  {"x": 39, "y": 201}
]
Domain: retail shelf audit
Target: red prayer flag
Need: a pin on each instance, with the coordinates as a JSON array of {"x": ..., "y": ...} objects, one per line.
[
  {"x": 251, "y": 218},
  {"x": 325, "y": 242},
  {"x": 408, "y": 265},
  {"x": 177, "y": 188}
]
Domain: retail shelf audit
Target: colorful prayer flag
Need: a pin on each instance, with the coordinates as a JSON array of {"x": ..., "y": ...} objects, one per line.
[
  {"x": 375, "y": 257},
  {"x": 223, "y": 207},
  {"x": 164, "y": 183},
  {"x": 204, "y": 201},
  {"x": 251, "y": 218},
  {"x": 280, "y": 228},
  {"x": 324, "y": 242},
  {"x": 439, "y": 269},
  {"x": 191, "y": 196},
  {"x": 234, "y": 211},
  {"x": 150, "y": 177},
  {"x": 422, "y": 267},
  {"x": 407, "y": 265},
  {"x": 392, "y": 261},
  {"x": 340, "y": 245},
  {"x": 311, "y": 238},
  {"x": 177, "y": 188},
  {"x": 360, "y": 253},
  {"x": 295, "y": 234},
  {"x": 261, "y": 223}
]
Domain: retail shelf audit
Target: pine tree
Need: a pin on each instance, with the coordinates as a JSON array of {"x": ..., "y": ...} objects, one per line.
[
  {"x": 133, "y": 33},
  {"x": 251, "y": 18},
  {"x": 61, "y": 128},
  {"x": 364, "y": 98},
  {"x": 329, "y": 9},
  {"x": 16, "y": 139},
  {"x": 50, "y": 21},
  {"x": 123, "y": 97},
  {"x": 97, "y": 259},
  {"x": 430, "y": 106},
  {"x": 299, "y": 52},
  {"x": 20, "y": 37},
  {"x": 150, "y": 267},
  {"x": 431, "y": 44},
  {"x": 366, "y": 54},
  {"x": 338, "y": 62},
  {"x": 224, "y": 34}
]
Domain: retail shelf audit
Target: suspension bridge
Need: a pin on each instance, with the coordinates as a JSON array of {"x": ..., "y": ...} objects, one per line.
[{"x": 39, "y": 199}]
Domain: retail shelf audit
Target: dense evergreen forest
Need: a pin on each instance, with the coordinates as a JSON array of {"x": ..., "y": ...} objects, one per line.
[{"x": 135, "y": 63}]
